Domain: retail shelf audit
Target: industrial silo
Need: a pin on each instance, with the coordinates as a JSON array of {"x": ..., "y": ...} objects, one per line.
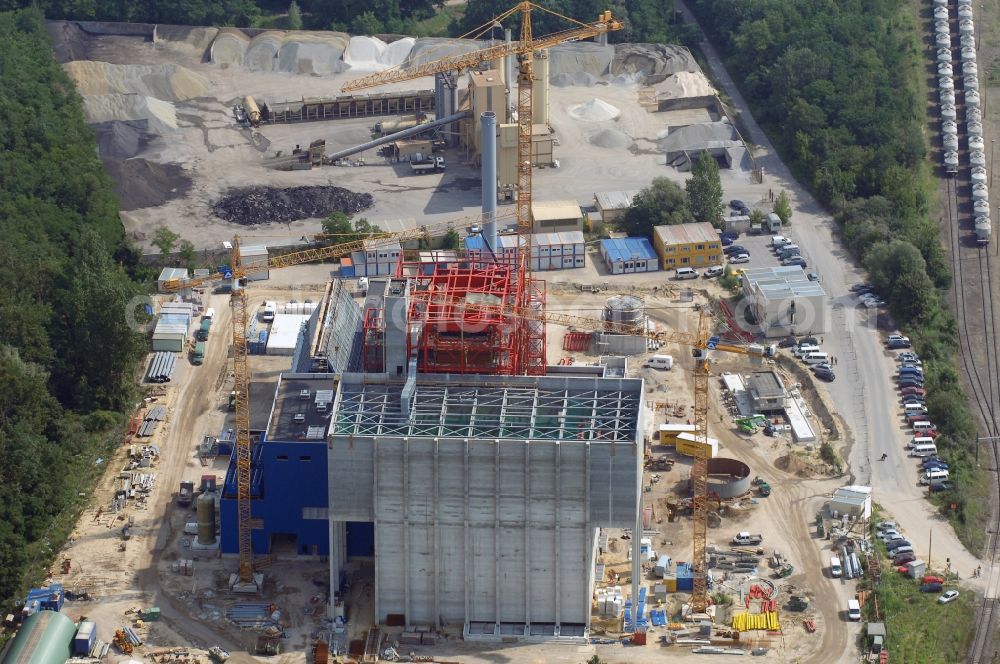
[
  {"x": 940, "y": 12},
  {"x": 973, "y": 114},
  {"x": 947, "y": 96},
  {"x": 944, "y": 69},
  {"x": 951, "y": 159},
  {"x": 980, "y": 192},
  {"x": 977, "y": 143},
  {"x": 626, "y": 309},
  {"x": 970, "y": 67},
  {"x": 950, "y": 141},
  {"x": 972, "y": 98},
  {"x": 949, "y": 127},
  {"x": 948, "y": 112},
  {"x": 945, "y": 83},
  {"x": 981, "y": 206},
  {"x": 206, "y": 519},
  {"x": 977, "y": 158},
  {"x": 966, "y": 26},
  {"x": 979, "y": 174},
  {"x": 942, "y": 39}
]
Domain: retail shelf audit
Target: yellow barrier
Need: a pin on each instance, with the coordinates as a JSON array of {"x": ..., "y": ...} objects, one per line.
[{"x": 744, "y": 621}]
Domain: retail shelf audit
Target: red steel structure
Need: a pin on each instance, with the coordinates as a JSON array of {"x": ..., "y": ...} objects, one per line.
[{"x": 447, "y": 337}]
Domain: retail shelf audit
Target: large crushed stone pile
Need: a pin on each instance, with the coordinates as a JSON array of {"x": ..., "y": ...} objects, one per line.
[
  {"x": 262, "y": 205},
  {"x": 299, "y": 52},
  {"x": 166, "y": 82},
  {"x": 579, "y": 58},
  {"x": 654, "y": 61},
  {"x": 612, "y": 138},
  {"x": 684, "y": 84}
]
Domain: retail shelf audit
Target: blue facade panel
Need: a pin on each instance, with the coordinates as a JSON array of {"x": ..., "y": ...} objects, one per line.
[
  {"x": 286, "y": 480},
  {"x": 360, "y": 539}
]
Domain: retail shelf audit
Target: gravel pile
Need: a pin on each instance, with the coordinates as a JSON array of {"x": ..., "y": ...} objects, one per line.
[
  {"x": 160, "y": 116},
  {"x": 595, "y": 110},
  {"x": 580, "y": 58},
  {"x": 612, "y": 138},
  {"x": 299, "y": 52},
  {"x": 684, "y": 84},
  {"x": 166, "y": 82},
  {"x": 262, "y": 205},
  {"x": 654, "y": 61}
]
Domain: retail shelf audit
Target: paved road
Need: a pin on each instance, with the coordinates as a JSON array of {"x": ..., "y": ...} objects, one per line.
[{"x": 863, "y": 393}]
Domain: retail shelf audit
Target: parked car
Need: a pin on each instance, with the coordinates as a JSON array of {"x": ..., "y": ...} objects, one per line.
[
  {"x": 726, "y": 241},
  {"x": 897, "y": 341},
  {"x": 903, "y": 558},
  {"x": 821, "y": 367},
  {"x": 739, "y": 258},
  {"x": 892, "y": 545},
  {"x": 940, "y": 486},
  {"x": 909, "y": 381},
  {"x": 887, "y": 535},
  {"x": 948, "y": 596},
  {"x": 913, "y": 398},
  {"x": 914, "y": 390},
  {"x": 735, "y": 249},
  {"x": 795, "y": 260},
  {"x": 737, "y": 204},
  {"x": 714, "y": 271},
  {"x": 813, "y": 276},
  {"x": 887, "y": 525},
  {"x": 827, "y": 375},
  {"x": 809, "y": 341},
  {"x": 779, "y": 241},
  {"x": 853, "y": 609},
  {"x": 787, "y": 342},
  {"x": 860, "y": 287},
  {"x": 908, "y": 356}
]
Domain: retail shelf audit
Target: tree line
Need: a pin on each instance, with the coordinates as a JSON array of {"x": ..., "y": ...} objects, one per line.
[
  {"x": 837, "y": 87},
  {"x": 67, "y": 355}
]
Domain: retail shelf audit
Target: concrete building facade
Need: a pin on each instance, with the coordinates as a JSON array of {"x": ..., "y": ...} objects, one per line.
[
  {"x": 687, "y": 245},
  {"x": 486, "y": 494},
  {"x": 555, "y": 216},
  {"x": 784, "y": 301}
]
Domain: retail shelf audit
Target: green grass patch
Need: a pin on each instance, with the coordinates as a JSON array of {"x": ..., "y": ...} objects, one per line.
[
  {"x": 439, "y": 24},
  {"x": 918, "y": 629}
]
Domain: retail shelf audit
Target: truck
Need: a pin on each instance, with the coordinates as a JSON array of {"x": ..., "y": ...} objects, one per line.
[
  {"x": 206, "y": 325},
  {"x": 747, "y": 539},
  {"x": 198, "y": 356},
  {"x": 186, "y": 493},
  {"x": 268, "y": 311},
  {"x": 421, "y": 164}
]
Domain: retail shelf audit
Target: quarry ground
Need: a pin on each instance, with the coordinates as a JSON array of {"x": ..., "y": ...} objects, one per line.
[{"x": 210, "y": 154}]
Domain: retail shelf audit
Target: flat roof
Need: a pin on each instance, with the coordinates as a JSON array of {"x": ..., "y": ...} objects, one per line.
[
  {"x": 630, "y": 248},
  {"x": 553, "y": 210},
  {"x": 615, "y": 200},
  {"x": 512, "y": 242},
  {"x": 567, "y": 408},
  {"x": 169, "y": 273},
  {"x": 253, "y": 250},
  {"x": 701, "y": 231},
  {"x": 782, "y": 282},
  {"x": 285, "y": 330},
  {"x": 766, "y": 384},
  {"x": 289, "y": 401},
  {"x": 486, "y": 78}
]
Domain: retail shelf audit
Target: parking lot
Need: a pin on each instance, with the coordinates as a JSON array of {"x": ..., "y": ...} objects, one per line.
[{"x": 761, "y": 255}]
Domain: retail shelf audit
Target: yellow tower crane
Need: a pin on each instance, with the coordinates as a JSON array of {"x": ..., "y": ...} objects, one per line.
[{"x": 524, "y": 49}]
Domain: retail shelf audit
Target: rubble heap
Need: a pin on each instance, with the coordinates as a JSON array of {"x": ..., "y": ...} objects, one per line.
[{"x": 262, "y": 205}]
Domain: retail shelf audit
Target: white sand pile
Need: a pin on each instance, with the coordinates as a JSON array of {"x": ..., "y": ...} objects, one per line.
[
  {"x": 595, "y": 110},
  {"x": 167, "y": 82},
  {"x": 373, "y": 54},
  {"x": 228, "y": 48},
  {"x": 582, "y": 57},
  {"x": 612, "y": 138},
  {"x": 684, "y": 84},
  {"x": 427, "y": 49},
  {"x": 160, "y": 116}
]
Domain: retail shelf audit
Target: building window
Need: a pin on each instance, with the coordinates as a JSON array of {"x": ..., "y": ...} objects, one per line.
[
  {"x": 305, "y": 458},
  {"x": 714, "y": 258},
  {"x": 714, "y": 245},
  {"x": 670, "y": 261},
  {"x": 671, "y": 250},
  {"x": 282, "y": 457},
  {"x": 701, "y": 247},
  {"x": 685, "y": 260}
]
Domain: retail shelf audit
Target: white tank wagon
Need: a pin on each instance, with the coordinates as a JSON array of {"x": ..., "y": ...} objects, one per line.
[{"x": 983, "y": 229}]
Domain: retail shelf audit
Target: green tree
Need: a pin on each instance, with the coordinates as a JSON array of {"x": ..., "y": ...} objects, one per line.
[
  {"x": 757, "y": 216},
  {"x": 704, "y": 190},
  {"x": 451, "y": 239},
  {"x": 661, "y": 203},
  {"x": 187, "y": 253},
  {"x": 782, "y": 207},
  {"x": 294, "y": 16},
  {"x": 165, "y": 240},
  {"x": 367, "y": 23},
  {"x": 337, "y": 224}
]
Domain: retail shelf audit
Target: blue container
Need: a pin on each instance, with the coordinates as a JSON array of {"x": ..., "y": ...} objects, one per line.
[
  {"x": 83, "y": 642},
  {"x": 685, "y": 577},
  {"x": 347, "y": 271}
]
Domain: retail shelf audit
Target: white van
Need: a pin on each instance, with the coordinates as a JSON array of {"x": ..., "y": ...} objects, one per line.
[
  {"x": 661, "y": 362},
  {"x": 924, "y": 450},
  {"x": 922, "y": 426},
  {"x": 804, "y": 350},
  {"x": 780, "y": 241},
  {"x": 686, "y": 273},
  {"x": 917, "y": 441},
  {"x": 853, "y": 609},
  {"x": 816, "y": 357},
  {"x": 835, "y": 569},
  {"x": 268, "y": 311},
  {"x": 936, "y": 475},
  {"x": 209, "y": 313},
  {"x": 913, "y": 408}
]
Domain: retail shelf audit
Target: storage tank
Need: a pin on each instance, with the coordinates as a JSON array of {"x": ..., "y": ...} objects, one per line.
[
  {"x": 945, "y": 83},
  {"x": 977, "y": 158},
  {"x": 253, "y": 111},
  {"x": 968, "y": 53},
  {"x": 965, "y": 12},
  {"x": 972, "y": 98},
  {"x": 206, "y": 519},
  {"x": 951, "y": 159},
  {"x": 979, "y": 174},
  {"x": 967, "y": 41},
  {"x": 942, "y": 39},
  {"x": 948, "y": 111},
  {"x": 973, "y": 114},
  {"x": 950, "y": 141},
  {"x": 942, "y": 26},
  {"x": 983, "y": 229},
  {"x": 980, "y": 192},
  {"x": 966, "y": 26},
  {"x": 944, "y": 69},
  {"x": 949, "y": 127},
  {"x": 944, "y": 54},
  {"x": 971, "y": 80},
  {"x": 981, "y": 206},
  {"x": 626, "y": 309},
  {"x": 940, "y": 3},
  {"x": 940, "y": 12},
  {"x": 977, "y": 143},
  {"x": 947, "y": 96},
  {"x": 970, "y": 67}
]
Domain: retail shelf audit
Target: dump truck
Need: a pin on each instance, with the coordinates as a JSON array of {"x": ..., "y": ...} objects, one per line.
[
  {"x": 198, "y": 356},
  {"x": 218, "y": 655},
  {"x": 747, "y": 539},
  {"x": 421, "y": 164},
  {"x": 186, "y": 493},
  {"x": 206, "y": 325}
]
